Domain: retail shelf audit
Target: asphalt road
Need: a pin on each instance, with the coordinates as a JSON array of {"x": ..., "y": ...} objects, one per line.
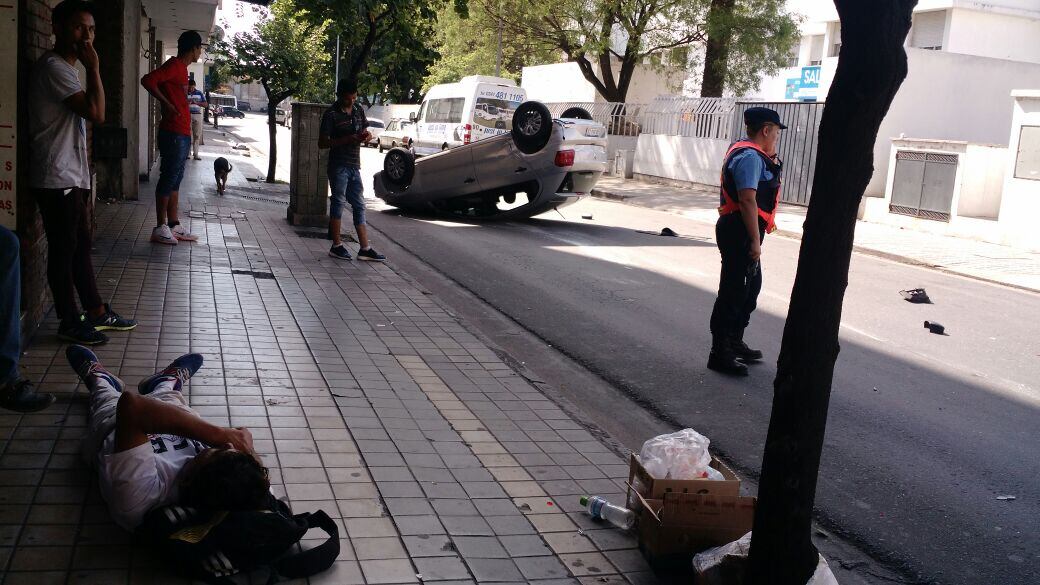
[{"x": 925, "y": 432}]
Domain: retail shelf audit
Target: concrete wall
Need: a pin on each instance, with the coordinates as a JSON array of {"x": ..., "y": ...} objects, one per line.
[
  {"x": 982, "y": 180},
  {"x": 563, "y": 82},
  {"x": 951, "y": 97},
  {"x": 999, "y": 36},
  {"x": 1021, "y": 196},
  {"x": 681, "y": 158}
]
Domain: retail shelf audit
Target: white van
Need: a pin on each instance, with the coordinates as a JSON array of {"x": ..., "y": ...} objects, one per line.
[{"x": 453, "y": 114}]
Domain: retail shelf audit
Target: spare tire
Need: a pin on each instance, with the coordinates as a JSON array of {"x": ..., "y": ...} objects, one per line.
[
  {"x": 576, "y": 113},
  {"x": 532, "y": 127},
  {"x": 399, "y": 167}
]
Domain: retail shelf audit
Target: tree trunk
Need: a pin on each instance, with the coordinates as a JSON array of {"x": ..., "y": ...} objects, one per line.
[
  {"x": 716, "y": 54},
  {"x": 871, "y": 67}
]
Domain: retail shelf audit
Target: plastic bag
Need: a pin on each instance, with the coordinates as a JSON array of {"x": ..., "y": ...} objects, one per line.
[
  {"x": 680, "y": 455},
  {"x": 726, "y": 565}
]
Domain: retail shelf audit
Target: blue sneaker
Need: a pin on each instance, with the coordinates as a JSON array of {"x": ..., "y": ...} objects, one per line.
[
  {"x": 180, "y": 369},
  {"x": 89, "y": 368},
  {"x": 340, "y": 252}
]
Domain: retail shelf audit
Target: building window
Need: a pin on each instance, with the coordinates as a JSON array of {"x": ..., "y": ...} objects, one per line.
[
  {"x": 1027, "y": 160},
  {"x": 928, "y": 30},
  {"x": 815, "y": 50}
]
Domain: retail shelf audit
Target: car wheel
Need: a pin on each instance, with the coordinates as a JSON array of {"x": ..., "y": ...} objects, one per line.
[
  {"x": 576, "y": 113},
  {"x": 532, "y": 126},
  {"x": 399, "y": 167},
  {"x": 380, "y": 148}
]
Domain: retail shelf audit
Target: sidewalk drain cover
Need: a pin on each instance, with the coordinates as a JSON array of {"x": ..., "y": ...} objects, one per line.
[{"x": 255, "y": 274}]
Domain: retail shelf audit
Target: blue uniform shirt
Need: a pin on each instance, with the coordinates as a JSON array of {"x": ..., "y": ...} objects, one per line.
[{"x": 748, "y": 169}]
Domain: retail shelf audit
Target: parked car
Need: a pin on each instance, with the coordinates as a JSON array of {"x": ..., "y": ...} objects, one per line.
[
  {"x": 245, "y": 106},
  {"x": 397, "y": 133},
  {"x": 541, "y": 164},
  {"x": 233, "y": 113},
  {"x": 475, "y": 108},
  {"x": 279, "y": 116},
  {"x": 375, "y": 128}
]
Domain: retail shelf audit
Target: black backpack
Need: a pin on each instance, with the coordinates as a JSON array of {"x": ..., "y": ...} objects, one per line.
[{"x": 213, "y": 546}]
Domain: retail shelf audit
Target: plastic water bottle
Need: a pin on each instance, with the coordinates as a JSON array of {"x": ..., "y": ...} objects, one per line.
[{"x": 599, "y": 508}]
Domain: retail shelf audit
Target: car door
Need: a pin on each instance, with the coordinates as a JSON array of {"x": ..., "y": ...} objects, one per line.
[
  {"x": 448, "y": 174},
  {"x": 498, "y": 163}
]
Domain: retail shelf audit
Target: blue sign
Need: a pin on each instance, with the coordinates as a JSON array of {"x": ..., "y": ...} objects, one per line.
[
  {"x": 792, "y": 87},
  {"x": 810, "y": 77}
]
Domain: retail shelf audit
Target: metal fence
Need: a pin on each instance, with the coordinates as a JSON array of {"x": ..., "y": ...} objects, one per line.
[
  {"x": 691, "y": 117},
  {"x": 621, "y": 119},
  {"x": 797, "y": 147}
]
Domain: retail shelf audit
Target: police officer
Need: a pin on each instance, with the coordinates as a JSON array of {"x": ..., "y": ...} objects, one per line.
[{"x": 749, "y": 196}]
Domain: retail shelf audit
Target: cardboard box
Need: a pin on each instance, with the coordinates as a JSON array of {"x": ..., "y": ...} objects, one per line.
[
  {"x": 652, "y": 488},
  {"x": 680, "y": 517},
  {"x": 673, "y": 529}
]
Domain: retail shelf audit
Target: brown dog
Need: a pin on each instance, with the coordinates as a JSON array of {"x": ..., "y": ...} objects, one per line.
[{"x": 221, "y": 169}]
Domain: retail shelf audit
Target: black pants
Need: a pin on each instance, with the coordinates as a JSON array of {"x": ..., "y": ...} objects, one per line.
[
  {"x": 740, "y": 280},
  {"x": 69, "y": 268}
]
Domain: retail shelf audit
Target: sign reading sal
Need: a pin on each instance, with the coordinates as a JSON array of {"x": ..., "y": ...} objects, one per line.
[{"x": 8, "y": 115}]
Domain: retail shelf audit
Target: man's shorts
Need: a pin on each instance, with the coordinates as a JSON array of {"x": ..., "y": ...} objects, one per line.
[
  {"x": 347, "y": 188},
  {"x": 173, "y": 151}
]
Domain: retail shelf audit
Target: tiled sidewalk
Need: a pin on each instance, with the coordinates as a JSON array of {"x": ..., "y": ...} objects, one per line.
[
  {"x": 967, "y": 257},
  {"x": 366, "y": 400}
]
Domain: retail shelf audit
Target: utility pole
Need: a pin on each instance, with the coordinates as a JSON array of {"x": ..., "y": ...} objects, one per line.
[
  {"x": 498, "y": 57},
  {"x": 336, "y": 80}
]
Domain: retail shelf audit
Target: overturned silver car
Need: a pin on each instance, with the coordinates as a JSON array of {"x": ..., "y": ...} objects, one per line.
[{"x": 542, "y": 164}]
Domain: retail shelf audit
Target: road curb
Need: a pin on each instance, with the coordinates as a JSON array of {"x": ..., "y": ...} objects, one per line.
[{"x": 792, "y": 235}]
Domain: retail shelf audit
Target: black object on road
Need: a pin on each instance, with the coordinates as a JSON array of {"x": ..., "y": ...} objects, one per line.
[
  {"x": 668, "y": 232},
  {"x": 935, "y": 327},
  {"x": 916, "y": 295}
]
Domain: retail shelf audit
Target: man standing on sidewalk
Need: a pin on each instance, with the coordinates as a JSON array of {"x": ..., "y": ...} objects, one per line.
[
  {"x": 168, "y": 84},
  {"x": 196, "y": 103},
  {"x": 343, "y": 130},
  {"x": 749, "y": 196},
  {"x": 16, "y": 393},
  {"x": 59, "y": 173}
]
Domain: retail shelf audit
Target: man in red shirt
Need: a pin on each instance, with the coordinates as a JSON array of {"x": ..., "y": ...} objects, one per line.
[{"x": 169, "y": 85}]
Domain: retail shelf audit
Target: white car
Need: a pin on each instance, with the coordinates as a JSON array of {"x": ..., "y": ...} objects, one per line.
[
  {"x": 280, "y": 116},
  {"x": 476, "y": 108},
  {"x": 375, "y": 128},
  {"x": 540, "y": 165},
  {"x": 397, "y": 133}
]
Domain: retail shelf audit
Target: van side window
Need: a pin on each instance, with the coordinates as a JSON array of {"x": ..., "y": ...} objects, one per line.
[
  {"x": 445, "y": 110},
  {"x": 422, "y": 112}
]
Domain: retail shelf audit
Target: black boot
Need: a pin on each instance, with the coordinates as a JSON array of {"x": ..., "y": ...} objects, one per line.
[
  {"x": 20, "y": 396},
  {"x": 742, "y": 351},
  {"x": 722, "y": 359}
]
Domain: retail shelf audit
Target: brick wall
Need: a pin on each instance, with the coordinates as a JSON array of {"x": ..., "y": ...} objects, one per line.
[{"x": 34, "y": 39}]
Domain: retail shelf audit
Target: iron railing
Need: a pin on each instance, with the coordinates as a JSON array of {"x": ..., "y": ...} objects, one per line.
[
  {"x": 621, "y": 119},
  {"x": 692, "y": 117}
]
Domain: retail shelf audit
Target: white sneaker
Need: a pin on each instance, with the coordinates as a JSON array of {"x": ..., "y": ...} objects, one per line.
[
  {"x": 162, "y": 235},
  {"x": 181, "y": 233}
]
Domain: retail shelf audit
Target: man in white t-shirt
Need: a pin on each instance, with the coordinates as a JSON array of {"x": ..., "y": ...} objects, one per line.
[
  {"x": 151, "y": 449},
  {"x": 59, "y": 174}
]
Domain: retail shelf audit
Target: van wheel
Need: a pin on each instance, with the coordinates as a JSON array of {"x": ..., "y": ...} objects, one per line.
[
  {"x": 380, "y": 147},
  {"x": 576, "y": 113},
  {"x": 399, "y": 167},
  {"x": 532, "y": 126}
]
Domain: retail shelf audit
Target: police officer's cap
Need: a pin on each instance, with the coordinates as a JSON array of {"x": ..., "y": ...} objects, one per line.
[{"x": 757, "y": 116}]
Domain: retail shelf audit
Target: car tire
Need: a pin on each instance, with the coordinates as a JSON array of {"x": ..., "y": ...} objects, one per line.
[
  {"x": 399, "y": 167},
  {"x": 380, "y": 147},
  {"x": 532, "y": 127},
  {"x": 576, "y": 113}
]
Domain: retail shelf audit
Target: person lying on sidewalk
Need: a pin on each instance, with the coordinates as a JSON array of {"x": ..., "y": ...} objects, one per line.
[{"x": 151, "y": 449}]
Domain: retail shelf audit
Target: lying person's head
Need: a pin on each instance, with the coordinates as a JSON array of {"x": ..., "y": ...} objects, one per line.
[{"x": 224, "y": 479}]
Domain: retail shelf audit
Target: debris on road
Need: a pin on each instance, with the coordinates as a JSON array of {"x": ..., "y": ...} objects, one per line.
[
  {"x": 916, "y": 296},
  {"x": 1006, "y": 498},
  {"x": 935, "y": 328},
  {"x": 668, "y": 232},
  {"x": 587, "y": 216}
]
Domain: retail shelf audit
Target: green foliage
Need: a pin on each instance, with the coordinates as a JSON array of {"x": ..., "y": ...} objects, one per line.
[
  {"x": 609, "y": 38},
  {"x": 285, "y": 54},
  {"x": 468, "y": 45},
  {"x": 762, "y": 37}
]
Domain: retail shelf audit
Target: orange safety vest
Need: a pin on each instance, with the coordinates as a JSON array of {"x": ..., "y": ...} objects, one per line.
[{"x": 729, "y": 203}]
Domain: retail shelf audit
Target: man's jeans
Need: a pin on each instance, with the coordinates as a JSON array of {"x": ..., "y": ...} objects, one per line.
[{"x": 10, "y": 301}]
